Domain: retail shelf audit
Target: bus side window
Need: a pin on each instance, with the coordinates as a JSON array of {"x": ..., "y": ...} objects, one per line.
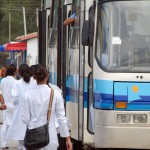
[
  {"x": 90, "y": 104},
  {"x": 90, "y": 120}
]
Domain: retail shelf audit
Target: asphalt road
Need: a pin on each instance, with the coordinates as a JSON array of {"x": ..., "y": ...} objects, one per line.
[{"x": 12, "y": 144}]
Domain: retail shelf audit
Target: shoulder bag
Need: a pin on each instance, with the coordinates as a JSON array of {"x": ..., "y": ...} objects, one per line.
[{"x": 39, "y": 137}]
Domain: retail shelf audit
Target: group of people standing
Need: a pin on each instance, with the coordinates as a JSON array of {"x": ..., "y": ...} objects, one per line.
[{"x": 25, "y": 103}]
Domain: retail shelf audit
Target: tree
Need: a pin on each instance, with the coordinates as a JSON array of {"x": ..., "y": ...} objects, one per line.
[{"x": 15, "y": 7}]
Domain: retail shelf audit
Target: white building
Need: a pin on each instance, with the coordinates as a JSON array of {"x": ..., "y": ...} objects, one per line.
[{"x": 32, "y": 47}]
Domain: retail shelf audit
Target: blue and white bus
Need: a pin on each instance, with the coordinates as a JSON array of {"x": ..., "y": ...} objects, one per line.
[{"x": 101, "y": 61}]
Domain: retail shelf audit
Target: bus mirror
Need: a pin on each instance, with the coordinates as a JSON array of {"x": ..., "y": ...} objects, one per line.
[{"x": 87, "y": 33}]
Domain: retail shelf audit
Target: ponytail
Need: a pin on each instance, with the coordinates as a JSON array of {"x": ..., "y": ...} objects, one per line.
[
  {"x": 24, "y": 71},
  {"x": 26, "y": 77}
]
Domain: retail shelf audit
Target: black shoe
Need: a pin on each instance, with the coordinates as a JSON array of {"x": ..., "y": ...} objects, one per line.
[{"x": 3, "y": 148}]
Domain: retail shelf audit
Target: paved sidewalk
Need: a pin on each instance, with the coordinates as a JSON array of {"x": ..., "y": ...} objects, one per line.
[{"x": 12, "y": 144}]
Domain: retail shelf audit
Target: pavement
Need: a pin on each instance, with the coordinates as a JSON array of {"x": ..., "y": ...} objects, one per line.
[{"x": 12, "y": 144}]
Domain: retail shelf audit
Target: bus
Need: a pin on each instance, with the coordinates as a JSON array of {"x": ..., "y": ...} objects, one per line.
[{"x": 101, "y": 61}]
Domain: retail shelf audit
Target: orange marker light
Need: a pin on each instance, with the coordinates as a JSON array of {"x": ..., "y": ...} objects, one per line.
[{"x": 121, "y": 104}]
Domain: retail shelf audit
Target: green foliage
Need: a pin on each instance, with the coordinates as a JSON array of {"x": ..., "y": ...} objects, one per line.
[
  {"x": 3, "y": 58},
  {"x": 15, "y": 8}
]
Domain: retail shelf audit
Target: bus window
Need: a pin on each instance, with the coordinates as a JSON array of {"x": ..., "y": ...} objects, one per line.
[
  {"x": 52, "y": 49},
  {"x": 90, "y": 79},
  {"x": 123, "y": 36},
  {"x": 90, "y": 104}
]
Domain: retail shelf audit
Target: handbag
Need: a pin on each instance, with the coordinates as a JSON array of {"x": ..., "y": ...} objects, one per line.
[{"x": 39, "y": 137}]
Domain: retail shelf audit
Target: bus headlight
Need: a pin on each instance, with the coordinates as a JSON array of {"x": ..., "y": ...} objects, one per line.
[
  {"x": 123, "y": 118},
  {"x": 140, "y": 118}
]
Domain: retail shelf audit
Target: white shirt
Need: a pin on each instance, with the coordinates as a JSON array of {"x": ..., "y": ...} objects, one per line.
[
  {"x": 34, "y": 112},
  {"x": 18, "y": 128},
  {"x": 33, "y": 80},
  {"x": 6, "y": 86},
  {"x": 55, "y": 87}
]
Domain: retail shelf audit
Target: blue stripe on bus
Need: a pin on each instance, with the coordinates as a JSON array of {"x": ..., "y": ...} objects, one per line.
[
  {"x": 103, "y": 94},
  {"x": 125, "y": 98},
  {"x": 72, "y": 90},
  {"x": 135, "y": 94},
  {"x": 72, "y": 96},
  {"x": 72, "y": 82},
  {"x": 103, "y": 86},
  {"x": 103, "y": 101}
]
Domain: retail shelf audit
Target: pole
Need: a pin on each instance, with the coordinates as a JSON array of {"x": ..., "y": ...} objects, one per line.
[
  {"x": 37, "y": 17},
  {"x": 25, "y": 33},
  {"x": 10, "y": 33},
  {"x": 24, "y": 20},
  {"x": 9, "y": 27}
]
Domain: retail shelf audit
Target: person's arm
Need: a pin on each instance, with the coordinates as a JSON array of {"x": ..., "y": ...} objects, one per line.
[
  {"x": 3, "y": 106},
  {"x": 68, "y": 143}
]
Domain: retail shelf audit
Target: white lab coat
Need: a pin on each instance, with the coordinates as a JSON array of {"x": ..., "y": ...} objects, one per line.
[
  {"x": 18, "y": 128},
  {"x": 33, "y": 80},
  {"x": 34, "y": 113},
  {"x": 6, "y": 86},
  {"x": 55, "y": 87}
]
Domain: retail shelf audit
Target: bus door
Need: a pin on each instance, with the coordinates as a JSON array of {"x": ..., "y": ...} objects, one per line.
[
  {"x": 88, "y": 11},
  {"x": 43, "y": 28},
  {"x": 52, "y": 43},
  {"x": 73, "y": 72},
  {"x": 42, "y": 36},
  {"x": 47, "y": 33},
  {"x": 65, "y": 45},
  {"x": 54, "y": 50}
]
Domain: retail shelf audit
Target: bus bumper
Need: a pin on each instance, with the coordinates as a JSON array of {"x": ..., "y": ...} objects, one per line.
[{"x": 111, "y": 134}]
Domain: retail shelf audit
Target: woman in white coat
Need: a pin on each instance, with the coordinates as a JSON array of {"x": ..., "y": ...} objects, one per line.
[
  {"x": 18, "y": 128},
  {"x": 6, "y": 86},
  {"x": 35, "y": 107}
]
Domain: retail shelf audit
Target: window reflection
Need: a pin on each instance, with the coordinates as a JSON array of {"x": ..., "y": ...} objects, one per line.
[{"x": 123, "y": 40}]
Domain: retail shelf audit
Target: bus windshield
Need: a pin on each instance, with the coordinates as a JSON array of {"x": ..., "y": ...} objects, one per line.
[{"x": 123, "y": 37}]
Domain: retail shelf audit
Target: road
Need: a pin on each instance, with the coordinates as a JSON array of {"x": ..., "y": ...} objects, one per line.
[{"x": 12, "y": 144}]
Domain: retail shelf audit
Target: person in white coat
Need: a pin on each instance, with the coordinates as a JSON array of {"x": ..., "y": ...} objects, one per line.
[
  {"x": 60, "y": 140},
  {"x": 55, "y": 87},
  {"x": 35, "y": 107},
  {"x": 18, "y": 128},
  {"x": 6, "y": 86}
]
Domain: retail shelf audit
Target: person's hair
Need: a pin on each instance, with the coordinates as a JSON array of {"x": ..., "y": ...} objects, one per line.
[
  {"x": 40, "y": 73},
  {"x": 3, "y": 71},
  {"x": 24, "y": 71},
  {"x": 32, "y": 67},
  {"x": 42, "y": 64},
  {"x": 10, "y": 70}
]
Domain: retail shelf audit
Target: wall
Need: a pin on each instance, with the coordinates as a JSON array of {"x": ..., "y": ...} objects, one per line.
[{"x": 32, "y": 51}]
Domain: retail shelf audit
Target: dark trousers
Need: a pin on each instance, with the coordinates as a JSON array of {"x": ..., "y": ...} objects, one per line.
[{"x": 62, "y": 143}]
